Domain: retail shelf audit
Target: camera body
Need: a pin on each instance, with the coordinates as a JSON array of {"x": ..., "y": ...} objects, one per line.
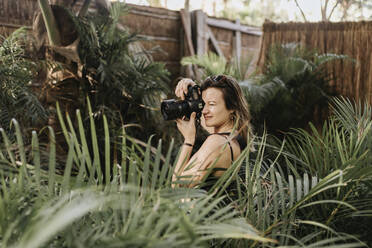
[{"x": 173, "y": 109}]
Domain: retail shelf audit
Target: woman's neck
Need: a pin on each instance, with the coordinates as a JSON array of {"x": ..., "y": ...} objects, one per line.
[{"x": 224, "y": 128}]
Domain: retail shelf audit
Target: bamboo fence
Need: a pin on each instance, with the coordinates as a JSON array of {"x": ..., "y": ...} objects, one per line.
[{"x": 352, "y": 80}]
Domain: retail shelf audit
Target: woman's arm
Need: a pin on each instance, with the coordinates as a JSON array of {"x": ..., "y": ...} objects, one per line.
[
  {"x": 188, "y": 130},
  {"x": 212, "y": 152},
  {"x": 183, "y": 159}
]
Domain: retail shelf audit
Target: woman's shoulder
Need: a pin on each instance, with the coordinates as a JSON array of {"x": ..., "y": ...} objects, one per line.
[{"x": 213, "y": 142}]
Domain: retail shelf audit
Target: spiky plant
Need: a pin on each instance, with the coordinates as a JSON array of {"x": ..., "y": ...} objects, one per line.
[
  {"x": 294, "y": 85},
  {"x": 137, "y": 205},
  {"x": 17, "y": 99},
  {"x": 344, "y": 144}
]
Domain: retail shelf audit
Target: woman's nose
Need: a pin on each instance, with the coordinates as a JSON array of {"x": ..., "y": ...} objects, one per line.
[{"x": 205, "y": 110}]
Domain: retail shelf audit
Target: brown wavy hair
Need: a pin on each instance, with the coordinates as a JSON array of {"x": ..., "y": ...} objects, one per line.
[{"x": 234, "y": 100}]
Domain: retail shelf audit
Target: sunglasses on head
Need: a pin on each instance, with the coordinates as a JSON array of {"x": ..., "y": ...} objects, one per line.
[
  {"x": 218, "y": 78},
  {"x": 222, "y": 81}
]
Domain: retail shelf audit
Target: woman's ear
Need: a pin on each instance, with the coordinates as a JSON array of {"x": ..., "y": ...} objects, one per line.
[{"x": 231, "y": 114}]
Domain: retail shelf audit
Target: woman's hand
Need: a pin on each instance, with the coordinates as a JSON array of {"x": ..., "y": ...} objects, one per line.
[
  {"x": 181, "y": 88},
  {"x": 187, "y": 128}
]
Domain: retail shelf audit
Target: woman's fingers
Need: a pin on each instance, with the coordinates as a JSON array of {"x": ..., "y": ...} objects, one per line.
[
  {"x": 187, "y": 127},
  {"x": 185, "y": 85},
  {"x": 183, "y": 119},
  {"x": 179, "y": 122},
  {"x": 177, "y": 91},
  {"x": 182, "y": 87},
  {"x": 192, "y": 116}
]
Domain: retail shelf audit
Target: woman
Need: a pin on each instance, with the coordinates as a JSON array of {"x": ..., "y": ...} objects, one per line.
[{"x": 224, "y": 106}]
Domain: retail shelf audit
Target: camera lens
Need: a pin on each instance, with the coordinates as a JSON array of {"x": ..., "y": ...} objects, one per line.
[{"x": 172, "y": 109}]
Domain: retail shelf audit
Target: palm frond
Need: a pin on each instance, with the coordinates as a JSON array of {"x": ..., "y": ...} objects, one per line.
[
  {"x": 211, "y": 63},
  {"x": 16, "y": 75},
  {"x": 259, "y": 96},
  {"x": 136, "y": 204}
]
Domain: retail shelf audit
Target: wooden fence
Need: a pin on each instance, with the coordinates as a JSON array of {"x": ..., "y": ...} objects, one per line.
[
  {"x": 179, "y": 34},
  {"x": 353, "y": 80},
  {"x": 163, "y": 28}
]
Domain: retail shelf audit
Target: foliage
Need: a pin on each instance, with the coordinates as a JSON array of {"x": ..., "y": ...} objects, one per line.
[
  {"x": 212, "y": 64},
  {"x": 345, "y": 10},
  {"x": 294, "y": 84},
  {"x": 137, "y": 208},
  {"x": 122, "y": 84},
  {"x": 344, "y": 144},
  {"x": 315, "y": 179},
  {"x": 16, "y": 74},
  {"x": 256, "y": 12},
  {"x": 254, "y": 204}
]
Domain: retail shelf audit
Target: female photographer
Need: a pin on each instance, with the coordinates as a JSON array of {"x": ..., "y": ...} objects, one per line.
[{"x": 224, "y": 107}]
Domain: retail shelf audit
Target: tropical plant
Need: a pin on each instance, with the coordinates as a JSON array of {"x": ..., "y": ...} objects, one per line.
[
  {"x": 294, "y": 85},
  {"x": 211, "y": 64},
  {"x": 344, "y": 144},
  {"x": 293, "y": 208},
  {"x": 16, "y": 74},
  {"x": 137, "y": 206},
  {"x": 122, "y": 83}
]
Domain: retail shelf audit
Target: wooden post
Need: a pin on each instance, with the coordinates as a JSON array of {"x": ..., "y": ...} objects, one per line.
[
  {"x": 183, "y": 50},
  {"x": 201, "y": 33},
  {"x": 186, "y": 23},
  {"x": 238, "y": 42}
]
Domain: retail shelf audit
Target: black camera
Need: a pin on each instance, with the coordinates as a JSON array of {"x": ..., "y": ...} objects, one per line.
[{"x": 172, "y": 109}]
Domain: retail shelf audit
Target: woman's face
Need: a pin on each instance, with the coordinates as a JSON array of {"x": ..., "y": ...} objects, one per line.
[{"x": 215, "y": 112}]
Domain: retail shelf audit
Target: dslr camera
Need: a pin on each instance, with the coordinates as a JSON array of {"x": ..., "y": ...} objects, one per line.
[{"x": 173, "y": 109}]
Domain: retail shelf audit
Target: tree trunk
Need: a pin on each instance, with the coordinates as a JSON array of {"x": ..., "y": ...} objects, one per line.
[
  {"x": 333, "y": 9},
  {"x": 187, "y": 5},
  {"x": 323, "y": 10},
  {"x": 302, "y": 12},
  {"x": 345, "y": 7},
  {"x": 50, "y": 23}
]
